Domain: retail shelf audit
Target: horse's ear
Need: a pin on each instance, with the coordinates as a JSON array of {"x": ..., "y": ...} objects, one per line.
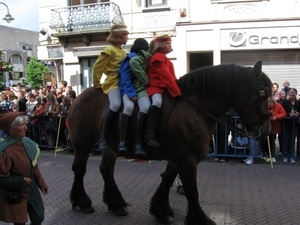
[{"x": 257, "y": 68}]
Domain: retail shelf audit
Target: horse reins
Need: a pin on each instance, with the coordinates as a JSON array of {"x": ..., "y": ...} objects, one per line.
[{"x": 231, "y": 126}]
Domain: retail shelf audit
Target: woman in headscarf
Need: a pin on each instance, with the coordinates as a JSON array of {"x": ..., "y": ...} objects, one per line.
[{"x": 20, "y": 177}]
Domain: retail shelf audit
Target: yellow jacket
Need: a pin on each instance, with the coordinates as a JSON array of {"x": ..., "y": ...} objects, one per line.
[{"x": 108, "y": 63}]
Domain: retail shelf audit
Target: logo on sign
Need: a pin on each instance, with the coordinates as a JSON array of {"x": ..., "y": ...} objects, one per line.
[{"x": 237, "y": 39}]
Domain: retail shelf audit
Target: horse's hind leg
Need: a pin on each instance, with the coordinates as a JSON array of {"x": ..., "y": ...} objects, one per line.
[
  {"x": 160, "y": 206},
  {"x": 78, "y": 196},
  {"x": 111, "y": 194},
  {"x": 195, "y": 215}
]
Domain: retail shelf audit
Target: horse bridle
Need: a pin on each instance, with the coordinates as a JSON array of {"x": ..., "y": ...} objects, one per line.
[{"x": 261, "y": 94}]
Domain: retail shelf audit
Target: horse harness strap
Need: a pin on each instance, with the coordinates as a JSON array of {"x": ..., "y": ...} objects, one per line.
[{"x": 233, "y": 128}]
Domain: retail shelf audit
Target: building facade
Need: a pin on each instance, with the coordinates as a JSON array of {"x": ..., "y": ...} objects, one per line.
[
  {"x": 204, "y": 33},
  {"x": 18, "y": 46}
]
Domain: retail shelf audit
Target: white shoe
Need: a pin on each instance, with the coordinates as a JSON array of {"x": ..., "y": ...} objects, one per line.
[
  {"x": 285, "y": 160},
  {"x": 245, "y": 160},
  {"x": 292, "y": 160},
  {"x": 273, "y": 160},
  {"x": 250, "y": 161}
]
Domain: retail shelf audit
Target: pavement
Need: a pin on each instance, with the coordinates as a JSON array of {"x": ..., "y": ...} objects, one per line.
[{"x": 230, "y": 193}]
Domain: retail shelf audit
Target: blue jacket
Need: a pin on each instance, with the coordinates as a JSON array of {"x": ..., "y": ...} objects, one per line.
[{"x": 125, "y": 74}]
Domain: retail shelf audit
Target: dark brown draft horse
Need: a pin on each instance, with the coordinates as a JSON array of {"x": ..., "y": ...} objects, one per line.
[{"x": 184, "y": 131}]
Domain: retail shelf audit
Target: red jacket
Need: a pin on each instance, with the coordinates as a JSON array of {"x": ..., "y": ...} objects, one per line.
[
  {"x": 38, "y": 113},
  {"x": 161, "y": 75},
  {"x": 279, "y": 112},
  {"x": 40, "y": 110}
]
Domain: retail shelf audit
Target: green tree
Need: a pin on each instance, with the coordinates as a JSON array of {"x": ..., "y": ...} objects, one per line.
[{"x": 35, "y": 72}]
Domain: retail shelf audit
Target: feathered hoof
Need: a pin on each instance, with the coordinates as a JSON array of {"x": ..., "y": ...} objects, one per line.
[
  {"x": 165, "y": 220},
  {"x": 89, "y": 209},
  {"x": 120, "y": 211}
]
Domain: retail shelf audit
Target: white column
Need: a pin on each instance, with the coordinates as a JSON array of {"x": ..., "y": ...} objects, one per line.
[{"x": 217, "y": 46}]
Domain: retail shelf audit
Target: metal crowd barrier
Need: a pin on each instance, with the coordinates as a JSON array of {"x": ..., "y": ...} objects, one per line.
[
  {"x": 224, "y": 141},
  {"x": 50, "y": 132}
]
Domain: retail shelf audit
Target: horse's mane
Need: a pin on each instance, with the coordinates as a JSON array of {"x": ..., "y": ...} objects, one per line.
[{"x": 213, "y": 80}]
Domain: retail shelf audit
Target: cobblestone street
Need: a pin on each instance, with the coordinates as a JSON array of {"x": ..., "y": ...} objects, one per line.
[{"x": 230, "y": 193}]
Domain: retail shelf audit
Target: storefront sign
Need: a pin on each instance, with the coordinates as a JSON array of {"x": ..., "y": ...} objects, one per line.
[
  {"x": 237, "y": 39},
  {"x": 267, "y": 38}
]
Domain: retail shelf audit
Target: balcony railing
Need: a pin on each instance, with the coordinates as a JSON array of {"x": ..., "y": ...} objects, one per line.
[{"x": 88, "y": 17}]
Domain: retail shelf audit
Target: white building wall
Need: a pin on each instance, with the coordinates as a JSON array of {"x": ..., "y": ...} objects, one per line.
[
  {"x": 266, "y": 25},
  {"x": 206, "y": 27}
]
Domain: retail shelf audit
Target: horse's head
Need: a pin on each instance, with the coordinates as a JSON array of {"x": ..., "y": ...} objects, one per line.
[{"x": 254, "y": 110}]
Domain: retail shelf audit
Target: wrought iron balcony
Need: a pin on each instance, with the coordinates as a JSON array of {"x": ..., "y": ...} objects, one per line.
[{"x": 84, "y": 18}]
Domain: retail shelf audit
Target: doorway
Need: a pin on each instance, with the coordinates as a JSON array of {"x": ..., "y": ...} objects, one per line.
[{"x": 200, "y": 59}]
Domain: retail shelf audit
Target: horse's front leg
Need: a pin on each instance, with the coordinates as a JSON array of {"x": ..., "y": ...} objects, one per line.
[
  {"x": 160, "y": 206},
  {"x": 195, "y": 215},
  {"x": 111, "y": 194},
  {"x": 78, "y": 196}
]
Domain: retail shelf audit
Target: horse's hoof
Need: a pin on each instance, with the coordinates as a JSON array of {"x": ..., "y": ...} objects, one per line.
[
  {"x": 120, "y": 211},
  {"x": 89, "y": 209},
  {"x": 166, "y": 220}
]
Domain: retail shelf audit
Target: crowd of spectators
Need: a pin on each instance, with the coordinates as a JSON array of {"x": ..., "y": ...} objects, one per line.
[{"x": 45, "y": 108}]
